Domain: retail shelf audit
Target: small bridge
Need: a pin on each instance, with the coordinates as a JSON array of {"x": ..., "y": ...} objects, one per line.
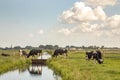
[{"x": 39, "y": 61}]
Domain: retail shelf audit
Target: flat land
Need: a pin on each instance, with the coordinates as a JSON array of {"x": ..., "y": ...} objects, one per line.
[
  {"x": 72, "y": 67},
  {"x": 75, "y": 67},
  {"x": 14, "y": 61}
]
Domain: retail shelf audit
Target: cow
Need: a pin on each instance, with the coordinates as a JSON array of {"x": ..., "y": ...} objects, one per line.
[
  {"x": 34, "y": 52},
  {"x": 22, "y": 53},
  {"x": 60, "y": 52},
  {"x": 89, "y": 55},
  {"x": 94, "y": 55},
  {"x": 99, "y": 57},
  {"x": 4, "y": 54}
]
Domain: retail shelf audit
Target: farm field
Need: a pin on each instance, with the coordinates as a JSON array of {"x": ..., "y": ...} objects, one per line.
[
  {"x": 75, "y": 67},
  {"x": 13, "y": 61},
  {"x": 72, "y": 67}
]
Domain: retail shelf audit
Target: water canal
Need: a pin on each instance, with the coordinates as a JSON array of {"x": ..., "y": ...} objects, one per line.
[{"x": 33, "y": 72}]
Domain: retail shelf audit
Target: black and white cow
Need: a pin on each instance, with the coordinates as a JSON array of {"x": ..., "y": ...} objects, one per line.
[
  {"x": 22, "y": 53},
  {"x": 94, "y": 55},
  {"x": 4, "y": 54},
  {"x": 34, "y": 52},
  {"x": 60, "y": 52},
  {"x": 89, "y": 55}
]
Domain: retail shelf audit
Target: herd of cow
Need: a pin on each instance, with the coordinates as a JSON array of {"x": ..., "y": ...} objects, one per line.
[
  {"x": 32, "y": 52},
  {"x": 90, "y": 55}
]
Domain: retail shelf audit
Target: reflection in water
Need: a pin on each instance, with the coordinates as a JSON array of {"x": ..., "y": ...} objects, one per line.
[
  {"x": 33, "y": 72},
  {"x": 35, "y": 69},
  {"x": 45, "y": 56},
  {"x": 22, "y": 69}
]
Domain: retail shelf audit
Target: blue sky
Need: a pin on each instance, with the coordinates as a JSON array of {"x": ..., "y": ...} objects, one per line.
[{"x": 41, "y": 22}]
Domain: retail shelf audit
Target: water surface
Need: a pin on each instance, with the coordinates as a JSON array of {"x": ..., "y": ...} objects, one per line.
[{"x": 33, "y": 72}]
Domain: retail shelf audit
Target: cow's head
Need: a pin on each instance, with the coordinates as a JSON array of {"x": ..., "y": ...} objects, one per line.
[{"x": 99, "y": 57}]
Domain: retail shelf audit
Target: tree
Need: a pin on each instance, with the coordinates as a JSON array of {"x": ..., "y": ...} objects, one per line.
[
  {"x": 56, "y": 47},
  {"x": 29, "y": 47},
  {"x": 17, "y": 47},
  {"x": 42, "y": 47},
  {"x": 102, "y": 47},
  {"x": 83, "y": 47},
  {"x": 67, "y": 47},
  {"x": 49, "y": 47}
]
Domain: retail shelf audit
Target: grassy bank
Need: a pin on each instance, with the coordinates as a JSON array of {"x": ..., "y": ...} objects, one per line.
[
  {"x": 14, "y": 61},
  {"x": 75, "y": 67}
]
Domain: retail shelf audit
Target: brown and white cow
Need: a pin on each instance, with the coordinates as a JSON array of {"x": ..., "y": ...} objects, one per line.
[{"x": 22, "y": 53}]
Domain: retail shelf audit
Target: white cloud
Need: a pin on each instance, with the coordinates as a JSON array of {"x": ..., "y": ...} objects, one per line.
[
  {"x": 101, "y": 2},
  {"x": 100, "y": 13},
  {"x": 113, "y": 24},
  {"x": 87, "y": 27},
  {"x": 114, "y": 21},
  {"x": 91, "y": 20},
  {"x": 31, "y": 35},
  {"x": 65, "y": 31},
  {"x": 41, "y": 32},
  {"x": 110, "y": 27},
  {"x": 82, "y": 13}
]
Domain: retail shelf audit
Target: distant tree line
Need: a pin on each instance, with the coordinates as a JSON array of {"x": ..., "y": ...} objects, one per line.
[{"x": 52, "y": 47}]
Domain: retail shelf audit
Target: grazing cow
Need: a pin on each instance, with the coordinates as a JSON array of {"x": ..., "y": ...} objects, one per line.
[
  {"x": 89, "y": 55},
  {"x": 4, "y": 54},
  {"x": 59, "y": 52},
  {"x": 23, "y": 53},
  {"x": 34, "y": 52},
  {"x": 95, "y": 55},
  {"x": 99, "y": 57}
]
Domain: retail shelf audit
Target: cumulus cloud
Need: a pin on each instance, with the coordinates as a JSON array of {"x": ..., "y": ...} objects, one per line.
[
  {"x": 91, "y": 20},
  {"x": 40, "y": 32},
  {"x": 113, "y": 24},
  {"x": 87, "y": 27},
  {"x": 114, "y": 21},
  {"x": 101, "y": 2},
  {"x": 82, "y": 13},
  {"x": 100, "y": 13},
  {"x": 109, "y": 28},
  {"x": 35, "y": 34},
  {"x": 65, "y": 31},
  {"x": 31, "y": 35}
]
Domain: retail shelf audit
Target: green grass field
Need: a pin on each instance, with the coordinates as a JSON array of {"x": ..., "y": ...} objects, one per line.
[
  {"x": 14, "y": 61},
  {"x": 72, "y": 67},
  {"x": 75, "y": 67}
]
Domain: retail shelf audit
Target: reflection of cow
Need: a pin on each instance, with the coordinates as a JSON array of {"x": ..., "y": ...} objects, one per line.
[
  {"x": 34, "y": 52},
  {"x": 35, "y": 70},
  {"x": 94, "y": 55},
  {"x": 59, "y": 52},
  {"x": 23, "y": 53}
]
